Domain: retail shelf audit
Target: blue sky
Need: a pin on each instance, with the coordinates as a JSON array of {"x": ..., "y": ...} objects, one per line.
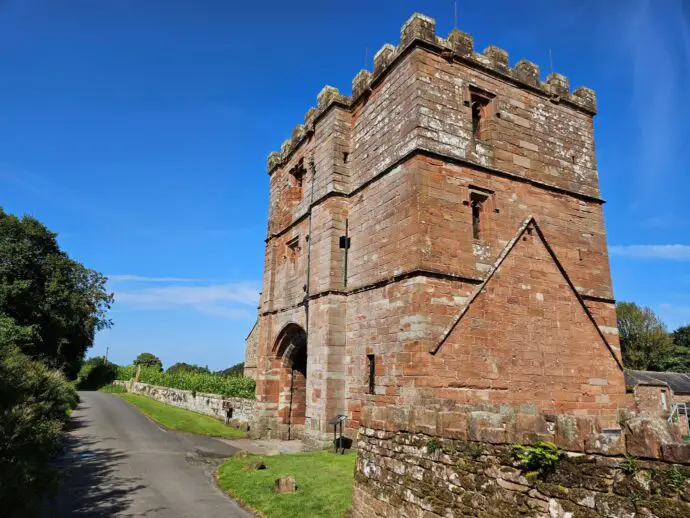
[{"x": 138, "y": 130}]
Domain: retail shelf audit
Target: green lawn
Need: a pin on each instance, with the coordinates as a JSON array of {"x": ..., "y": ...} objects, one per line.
[
  {"x": 181, "y": 419},
  {"x": 324, "y": 482},
  {"x": 113, "y": 389}
]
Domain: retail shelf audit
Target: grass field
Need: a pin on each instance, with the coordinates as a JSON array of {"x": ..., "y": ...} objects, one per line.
[
  {"x": 324, "y": 483},
  {"x": 181, "y": 419},
  {"x": 113, "y": 389}
]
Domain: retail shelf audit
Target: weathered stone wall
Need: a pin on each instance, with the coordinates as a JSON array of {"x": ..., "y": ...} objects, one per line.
[
  {"x": 651, "y": 399},
  {"x": 456, "y": 464},
  {"x": 251, "y": 352},
  {"x": 396, "y": 162},
  {"x": 209, "y": 404}
]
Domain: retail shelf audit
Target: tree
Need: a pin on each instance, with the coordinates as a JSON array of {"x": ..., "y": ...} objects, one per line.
[
  {"x": 34, "y": 408},
  {"x": 149, "y": 360},
  {"x": 681, "y": 337},
  {"x": 41, "y": 288},
  {"x": 645, "y": 344},
  {"x": 679, "y": 358},
  {"x": 181, "y": 367},
  {"x": 235, "y": 370}
]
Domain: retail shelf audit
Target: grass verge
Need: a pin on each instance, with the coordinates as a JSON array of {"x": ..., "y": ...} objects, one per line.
[
  {"x": 181, "y": 419},
  {"x": 324, "y": 483},
  {"x": 113, "y": 389}
]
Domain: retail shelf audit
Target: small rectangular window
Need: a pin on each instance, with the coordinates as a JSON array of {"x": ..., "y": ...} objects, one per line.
[
  {"x": 479, "y": 101},
  {"x": 297, "y": 174},
  {"x": 371, "y": 360},
  {"x": 292, "y": 247},
  {"x": 664, "y": 404},
  {"x": 477, "y": 203}
]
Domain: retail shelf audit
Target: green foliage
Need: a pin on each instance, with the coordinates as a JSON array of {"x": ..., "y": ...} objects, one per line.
[
  {"x": 230, "y": 386},
  {"x": 181, "y": 367},
  {"x": 678, "y": 359},
  {"x": 149, "y": 360},
  {"x": 645, "y": 344},
  {"x": 676, "y": 479},
  {"x": 235, "y": 370},
  {"x": 630, "y": 465},
  {"x": 35, "y": 402},
  {"x": 60, "y": 301},
  {"x": 113, "y": 389},
  {"x": 95, "y": 373},
  {"x": 538, "y": 459},
  {"x": 181, "y": 419},
  {"x": 325, "y": 483},
  {"x": 125, "y": 372},
  {"x": 433, "y": 445}
]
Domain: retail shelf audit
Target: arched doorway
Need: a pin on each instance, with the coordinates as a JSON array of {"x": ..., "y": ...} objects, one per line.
[{"x": 292, "y": 400}]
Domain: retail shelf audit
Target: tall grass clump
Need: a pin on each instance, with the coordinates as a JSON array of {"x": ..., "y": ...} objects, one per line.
[{"x": 229, "y": 386}]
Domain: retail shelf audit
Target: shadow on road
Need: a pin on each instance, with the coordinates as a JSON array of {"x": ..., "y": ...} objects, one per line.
[{"x": 89, "y": 485}]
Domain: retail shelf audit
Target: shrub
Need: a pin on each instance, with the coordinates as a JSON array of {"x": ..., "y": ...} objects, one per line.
[
  {"x": 125, "y": 372},
  {"x": 95, "y": 374},
  {"x": 539, "y": 459},
  {"x": 230, "y": 386},
  {"x": 35, "y": 402}
]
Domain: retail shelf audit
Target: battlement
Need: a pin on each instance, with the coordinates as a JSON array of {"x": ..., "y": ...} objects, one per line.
[{"x": 420, "y": 30}]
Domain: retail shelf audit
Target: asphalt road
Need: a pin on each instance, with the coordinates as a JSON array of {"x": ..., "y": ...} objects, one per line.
[{"x": 119, "y": 463}]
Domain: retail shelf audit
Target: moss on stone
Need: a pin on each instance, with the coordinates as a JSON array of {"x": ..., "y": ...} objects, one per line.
[{"x": 663, "y": 507}]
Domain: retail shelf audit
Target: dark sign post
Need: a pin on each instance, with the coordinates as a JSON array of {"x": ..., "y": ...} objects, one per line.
[
  {"x": 338, "y": 442},
  {"x": 228, "y": 407}
]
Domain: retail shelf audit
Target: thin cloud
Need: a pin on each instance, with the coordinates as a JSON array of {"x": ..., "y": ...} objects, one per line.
[
  {"x": 670, "y": 252},
  {"x": 229, "y": 300},
  {"x": 653, "y": 37},
  {"x": 143, "y": 278}
]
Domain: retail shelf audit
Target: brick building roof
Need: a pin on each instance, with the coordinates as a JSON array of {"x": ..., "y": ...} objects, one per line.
[{"x": 678, "y": 381}]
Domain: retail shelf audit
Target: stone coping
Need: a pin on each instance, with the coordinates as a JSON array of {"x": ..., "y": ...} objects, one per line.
[{"x": 641, "y": 437}]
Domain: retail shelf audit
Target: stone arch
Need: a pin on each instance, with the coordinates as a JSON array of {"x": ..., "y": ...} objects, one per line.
[{"x": 290, "y": 356}]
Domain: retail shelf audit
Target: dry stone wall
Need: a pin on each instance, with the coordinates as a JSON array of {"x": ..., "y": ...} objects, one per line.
[
  {"x": 442, "y": 464},
  {"x": 209, "y": 404}
]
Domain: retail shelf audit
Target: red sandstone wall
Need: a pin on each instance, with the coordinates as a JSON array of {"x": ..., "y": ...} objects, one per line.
[{"x": 537, "y": 156}]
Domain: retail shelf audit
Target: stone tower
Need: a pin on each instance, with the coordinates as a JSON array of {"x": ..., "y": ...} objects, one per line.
[{"x": 437, "y": 239}]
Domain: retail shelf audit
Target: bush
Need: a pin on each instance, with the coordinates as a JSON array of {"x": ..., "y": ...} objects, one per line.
[
  {"x": 35, "y": 402},
  {"x": 230, "y": 386},
  {"x": 95, "y": 374},
  {"x": 125, "y": 372}
]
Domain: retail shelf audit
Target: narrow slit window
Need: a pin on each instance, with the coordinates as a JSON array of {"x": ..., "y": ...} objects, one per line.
[
  {"x": 371, "y": 360},
  {"x": 293, "y": 248},
  {"x": 478, "y": 104},
  {"x": 477, "y": 203},
  {"x": 298, "y": 173}
]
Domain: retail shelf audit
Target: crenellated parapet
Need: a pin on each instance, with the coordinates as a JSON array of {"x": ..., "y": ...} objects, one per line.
[{"x": 459, "y": 46}]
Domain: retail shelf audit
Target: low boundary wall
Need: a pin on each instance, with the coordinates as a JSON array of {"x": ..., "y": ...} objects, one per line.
[
  {"x": 210, "y": 404},
  {"x": 438, "y": 464}
]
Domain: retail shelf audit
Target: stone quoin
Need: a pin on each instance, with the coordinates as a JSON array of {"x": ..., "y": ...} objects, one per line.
[{"x": 437, "y": 239}]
